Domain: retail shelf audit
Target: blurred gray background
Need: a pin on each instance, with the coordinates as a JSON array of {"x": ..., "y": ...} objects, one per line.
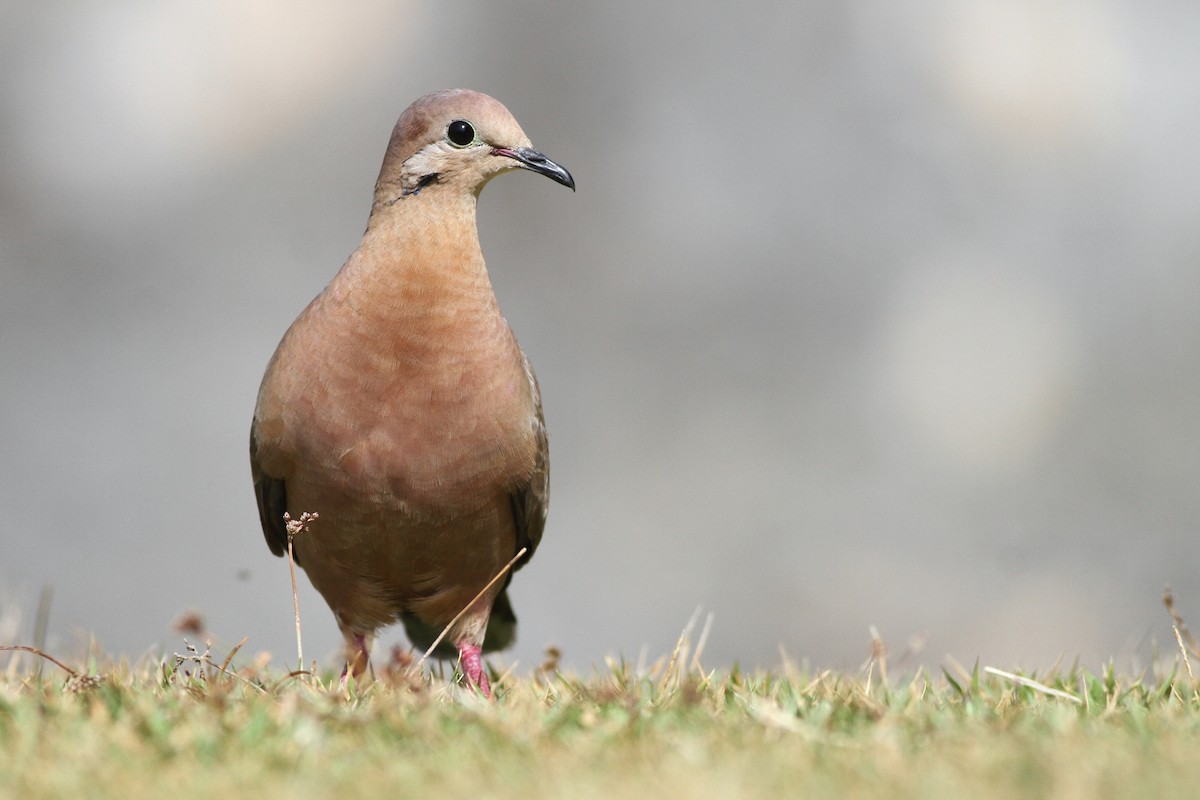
[{"x": 863, "y": 313}]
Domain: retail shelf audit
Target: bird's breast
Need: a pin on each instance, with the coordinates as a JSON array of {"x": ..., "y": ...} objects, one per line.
[{"x": 432, "y": 415}]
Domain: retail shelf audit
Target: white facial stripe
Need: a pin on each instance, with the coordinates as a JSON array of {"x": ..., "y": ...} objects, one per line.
[{"x": 430, "y": 159}]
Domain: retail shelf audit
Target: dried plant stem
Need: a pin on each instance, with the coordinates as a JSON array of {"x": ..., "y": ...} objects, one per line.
[
  {"x": 708, "y": 623},
  {"x": 37, "y": 652},
  {"x": 1187, "y": 662},
  {"x": 1032, "y": 684},
  {"x": 295, "y": 526},
  {"x": 878, "y": 656},
  {"x": 679, "y": 654},
  {"x": 504, "y": 571},
  {"x": 229, "y": 658},
  {"x": 296, "y": 604},
  {"x": 1181, "y": 628}
]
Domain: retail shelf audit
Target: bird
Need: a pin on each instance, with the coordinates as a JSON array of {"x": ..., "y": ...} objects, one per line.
[{"x": 400, "y": 408}]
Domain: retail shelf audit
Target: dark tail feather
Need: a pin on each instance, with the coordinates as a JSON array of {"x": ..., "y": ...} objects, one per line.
[
  {"x": 501, "y": 630},
  {"x": 502, "y": 626}
]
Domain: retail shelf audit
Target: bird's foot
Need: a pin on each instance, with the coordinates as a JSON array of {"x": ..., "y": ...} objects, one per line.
[
  {"x": 358, "y": 659},
  {"x": 470, "y": 657}
]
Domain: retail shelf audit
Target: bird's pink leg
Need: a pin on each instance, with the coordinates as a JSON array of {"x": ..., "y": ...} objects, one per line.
[
  {"x": 470, "y": 657},
  {"x": 358, "y": 656}
]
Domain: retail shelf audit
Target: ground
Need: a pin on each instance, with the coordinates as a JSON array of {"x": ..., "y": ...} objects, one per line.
[{"x": 196, "y": 725}]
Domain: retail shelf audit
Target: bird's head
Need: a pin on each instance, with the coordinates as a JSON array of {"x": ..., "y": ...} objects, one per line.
[{"x": 456, "y": 140}]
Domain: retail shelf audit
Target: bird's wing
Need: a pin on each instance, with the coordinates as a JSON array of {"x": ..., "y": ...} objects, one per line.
[
  {"x": 272, "y": 500},
  {"x": 531, "y": 499}
]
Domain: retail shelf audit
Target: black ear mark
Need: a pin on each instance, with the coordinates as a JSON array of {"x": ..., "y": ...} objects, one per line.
[{"x": 425, "y": 181}]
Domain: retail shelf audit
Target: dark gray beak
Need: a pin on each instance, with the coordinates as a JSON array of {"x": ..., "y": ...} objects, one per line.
[{"x": 532, "y": 160}]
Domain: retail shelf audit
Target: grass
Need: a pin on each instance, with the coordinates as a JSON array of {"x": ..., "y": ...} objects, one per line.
[{"x": 196, "y": 725}]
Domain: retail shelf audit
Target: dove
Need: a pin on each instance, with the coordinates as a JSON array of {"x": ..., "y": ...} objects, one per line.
[{"x": 400, "y": 408}]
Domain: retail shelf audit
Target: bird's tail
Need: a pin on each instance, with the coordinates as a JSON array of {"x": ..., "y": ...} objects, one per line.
[{"x": 501, "y": 630}]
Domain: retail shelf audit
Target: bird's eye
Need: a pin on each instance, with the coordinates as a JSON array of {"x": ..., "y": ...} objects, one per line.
[{"x": 460, "y": 133}]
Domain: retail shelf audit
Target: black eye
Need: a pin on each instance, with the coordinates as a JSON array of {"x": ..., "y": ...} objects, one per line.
[{"x": 460, "y": 133}]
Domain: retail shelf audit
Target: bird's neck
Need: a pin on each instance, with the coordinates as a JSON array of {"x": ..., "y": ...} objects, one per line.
[
  {"x": 417, "y": 288},
  {"x": 420, "y": 255}
]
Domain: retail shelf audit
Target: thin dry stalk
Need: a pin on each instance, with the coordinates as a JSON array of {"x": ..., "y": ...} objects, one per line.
[
  {"x": 1187, "y": 662},
  {"x": 77, "y": 683},
  {"x": 1032, "y": 684},
  {"x": 446, "y": 630},
  {"x": 21, "y": 648},
  {"x": 295, "y": 526},
  {"x": 815, "y": 683},
  {"x": 1181, "y": 628},
  {"x": 508, "y": 673},
  {"x": 232, "y": 653},
  {"x": 680, "y": 651},
  {"x": 878, "y": 656}
]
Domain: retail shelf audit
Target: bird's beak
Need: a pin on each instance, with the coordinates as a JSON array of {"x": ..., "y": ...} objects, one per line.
[{"x": 532, "y": 160}]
